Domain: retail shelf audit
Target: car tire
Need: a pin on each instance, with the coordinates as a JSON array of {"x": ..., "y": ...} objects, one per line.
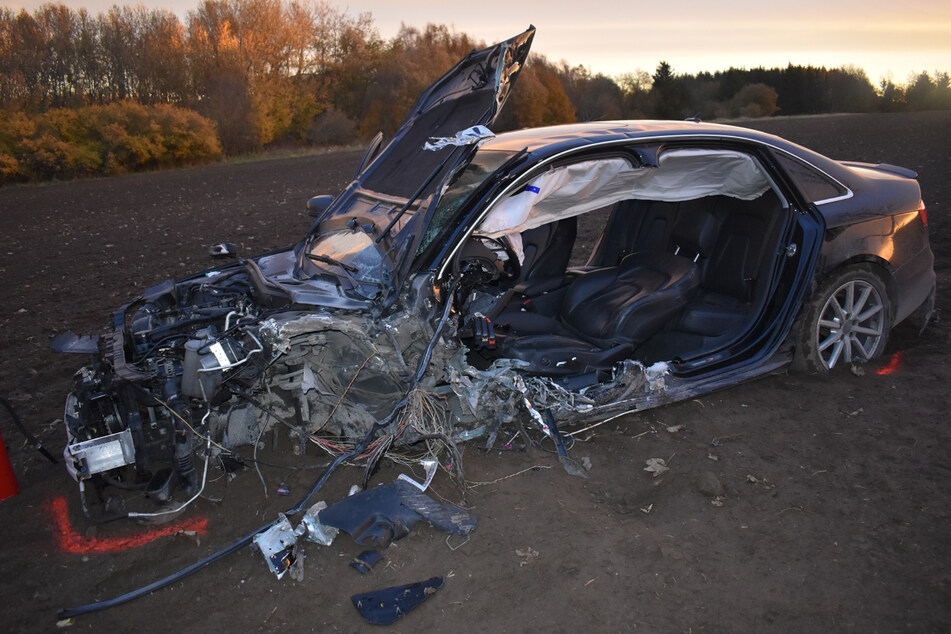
[{"x": 856, "y": 297}]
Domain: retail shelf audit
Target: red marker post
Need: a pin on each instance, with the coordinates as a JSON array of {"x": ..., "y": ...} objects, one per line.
[{"x": 8, "y": 480}]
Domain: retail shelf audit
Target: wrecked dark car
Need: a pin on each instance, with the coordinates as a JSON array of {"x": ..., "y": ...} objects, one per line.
[{"x": 447, "y": 294}]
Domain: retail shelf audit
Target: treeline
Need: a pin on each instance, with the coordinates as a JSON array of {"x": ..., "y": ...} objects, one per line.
[
  {"x": 301, "y": 71},
  {"x": 114, "y": 138}
]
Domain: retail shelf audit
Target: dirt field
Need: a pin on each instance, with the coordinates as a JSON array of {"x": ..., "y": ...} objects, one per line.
[{"x": 835, "y": 492}]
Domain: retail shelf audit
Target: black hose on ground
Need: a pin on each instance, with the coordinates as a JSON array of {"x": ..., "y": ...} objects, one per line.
[
  {"x": 30, "y": 438},
  {"x": 161, "y": 583}
]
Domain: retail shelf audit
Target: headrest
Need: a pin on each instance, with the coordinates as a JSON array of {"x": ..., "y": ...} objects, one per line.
[{"x": 695, "y": 230}]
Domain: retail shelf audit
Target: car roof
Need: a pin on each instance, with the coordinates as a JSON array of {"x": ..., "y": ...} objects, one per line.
[{"x": 554, "y": 140}]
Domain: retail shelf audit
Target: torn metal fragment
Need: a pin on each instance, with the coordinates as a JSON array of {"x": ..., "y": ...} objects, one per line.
[
  {"x": 311, "y": 528},
  {"x": 277, "y": 545},
  {"x": 469, "y": 136},
  {"x": 430, "y": 466}
]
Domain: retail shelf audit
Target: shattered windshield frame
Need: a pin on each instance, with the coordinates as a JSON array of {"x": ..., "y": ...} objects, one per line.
[
  {"x": 365, "y": 262},
  {"x": 466, "y": 181}
]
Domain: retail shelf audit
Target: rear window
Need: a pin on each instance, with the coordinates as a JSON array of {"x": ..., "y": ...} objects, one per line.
[{"x": 814, "y": 185}]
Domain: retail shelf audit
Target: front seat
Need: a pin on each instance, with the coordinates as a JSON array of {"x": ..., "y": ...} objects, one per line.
[
  {"x": 547, "y": 250},
  {"x": 629, "y": 302}
]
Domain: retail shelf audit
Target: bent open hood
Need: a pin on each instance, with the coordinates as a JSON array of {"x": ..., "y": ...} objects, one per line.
[{"x": 471, "y": 93}]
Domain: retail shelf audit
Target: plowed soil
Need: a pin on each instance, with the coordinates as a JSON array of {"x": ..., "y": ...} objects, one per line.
[{"x": 834, "y": 494}]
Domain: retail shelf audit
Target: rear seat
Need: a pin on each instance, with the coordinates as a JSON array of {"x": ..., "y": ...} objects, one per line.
[
  {"x": 634, "y": 226},
  {"x": 630, "y": 301},
  {"x": 737, "y": 269},
  {"x": 734, "y": 280}
]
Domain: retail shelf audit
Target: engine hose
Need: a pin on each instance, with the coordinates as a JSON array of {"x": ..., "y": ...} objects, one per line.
[
  {"x": 30, "y": 438},
  {"x": 184, "y": 465}
]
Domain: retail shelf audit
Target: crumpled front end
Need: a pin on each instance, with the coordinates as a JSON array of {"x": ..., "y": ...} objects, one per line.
[
  {"x": 193, "y": 370},
  {"x": 146, "y": 408}
]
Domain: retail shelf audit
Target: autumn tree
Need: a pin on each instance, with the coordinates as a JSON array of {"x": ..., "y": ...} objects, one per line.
[
  {"x": 539, "y": 98},
  {"x": 269, "y": 71},
  {"x": 753, "y": 101},
  {"x": 636, "y": 90},
  {"x": 593, "y": 96},
  {"x": 410, "y": 62}
]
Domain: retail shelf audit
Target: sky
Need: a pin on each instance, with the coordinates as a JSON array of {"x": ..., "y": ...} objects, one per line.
[{"x": 888, "y": 39}]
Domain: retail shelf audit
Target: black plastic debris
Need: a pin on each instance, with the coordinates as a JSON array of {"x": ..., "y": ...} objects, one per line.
[
  {"x": 364, "y": 562},
  {"x": 379, "y": 516},
  {"x": 390, "y": 604}
]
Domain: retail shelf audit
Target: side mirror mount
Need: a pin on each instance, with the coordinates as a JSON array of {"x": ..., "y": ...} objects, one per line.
[
  {"x": 224, "y": 250},
  {"x": 318, "y": 205}
]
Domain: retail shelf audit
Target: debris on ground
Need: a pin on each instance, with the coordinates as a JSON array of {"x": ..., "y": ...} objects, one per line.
[
  {"x": 373, "y": 517},
  {"x": 761, "y": 481},
  {"x": 383, "y": 514},
  {"x": 528, "y": 555},
  {"x": 709, "y": 485},
  {"x": 364, "y": 562},
  {"x": 657, "y": 466},
  {"x": 388, "y": 605},
  {"x": 277, "y": 545}
]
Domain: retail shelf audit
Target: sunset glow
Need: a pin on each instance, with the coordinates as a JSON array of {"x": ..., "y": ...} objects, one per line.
[{"x": 886, "y": 39}]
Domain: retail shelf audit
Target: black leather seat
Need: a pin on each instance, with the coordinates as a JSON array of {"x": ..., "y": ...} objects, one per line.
[
  {"x": 634, "y": 226},
  {"x": 629, "y": 302},
  {"x": 738, "y": 265},
  {"x": 734, "y": 285},
  {"x": 606, "y": 313},
  {"x": 547, "y": 249}
]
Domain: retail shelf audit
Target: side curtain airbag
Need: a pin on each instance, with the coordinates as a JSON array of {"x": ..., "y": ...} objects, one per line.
[{"x": 575, "y": 189}]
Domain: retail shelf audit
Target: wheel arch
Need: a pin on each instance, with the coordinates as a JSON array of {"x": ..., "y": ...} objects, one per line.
[
  {"x": 880, "y": 266},
  {"x": 806, "y": 357}
]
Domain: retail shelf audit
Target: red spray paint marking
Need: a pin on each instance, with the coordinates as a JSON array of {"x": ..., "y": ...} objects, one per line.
[
  {"x": 70, "y": 541},
  {"x": 893, "y": 364}
]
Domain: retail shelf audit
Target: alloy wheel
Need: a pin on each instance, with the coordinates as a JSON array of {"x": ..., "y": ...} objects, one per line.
[{"x": 851, "y": 323}]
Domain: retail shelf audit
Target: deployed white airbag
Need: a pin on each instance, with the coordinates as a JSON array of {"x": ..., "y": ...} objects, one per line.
[{"x": 578, "y": 188}]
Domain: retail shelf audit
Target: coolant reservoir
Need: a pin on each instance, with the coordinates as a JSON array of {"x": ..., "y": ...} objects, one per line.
[{"x": 201, "y": 375}]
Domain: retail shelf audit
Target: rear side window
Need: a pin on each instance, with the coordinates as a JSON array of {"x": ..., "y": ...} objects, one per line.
[{"x": 814, "y": 185}]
